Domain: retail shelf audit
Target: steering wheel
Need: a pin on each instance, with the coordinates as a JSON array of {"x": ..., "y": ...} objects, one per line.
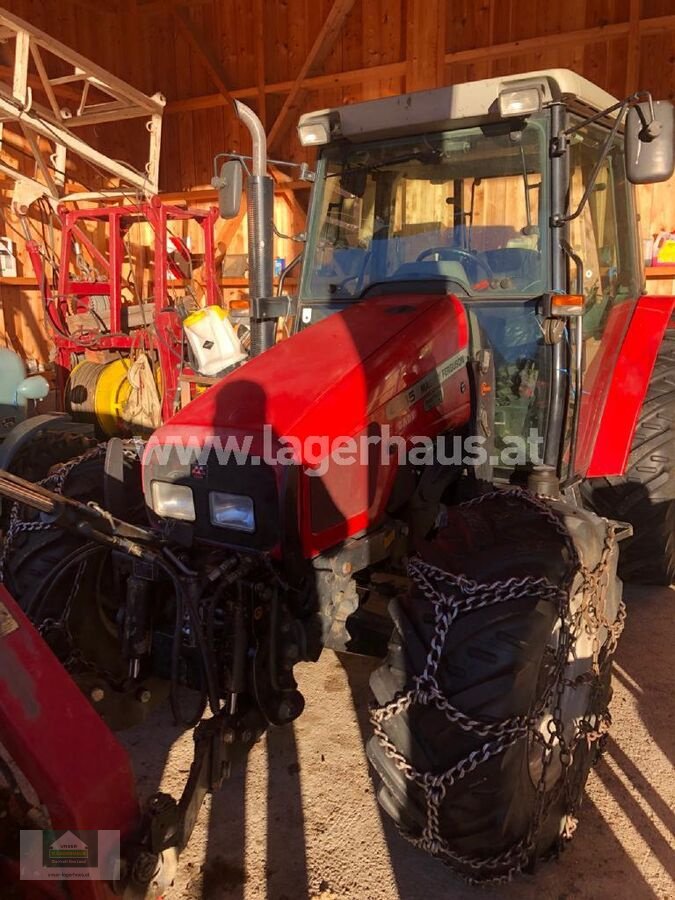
[{"x": 458, "y": 254}]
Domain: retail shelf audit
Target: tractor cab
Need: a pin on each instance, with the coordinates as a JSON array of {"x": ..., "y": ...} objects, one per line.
[{"x": 515, "y": 195}]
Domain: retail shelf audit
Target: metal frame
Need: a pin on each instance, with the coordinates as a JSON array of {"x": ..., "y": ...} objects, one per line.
[
  {"x": 76, "y": 292},
  {"x": 115, "y": 101}
]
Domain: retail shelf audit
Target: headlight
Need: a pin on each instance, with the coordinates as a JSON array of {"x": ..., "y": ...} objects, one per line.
[
  {"x": 314, "y": 129},
  {"x": 519, "y": 102},
  {"x": 232, "y": 511},
  {"x": 175, "y": 501}
]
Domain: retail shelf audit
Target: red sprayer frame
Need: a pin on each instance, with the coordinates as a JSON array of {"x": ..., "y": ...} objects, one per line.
[{"x": 165, "y": 333}]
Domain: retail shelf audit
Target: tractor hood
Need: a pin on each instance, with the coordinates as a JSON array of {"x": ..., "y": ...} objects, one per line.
[
  {"x": 387, "y": 366},
  {"x": 330, "y": 378}
]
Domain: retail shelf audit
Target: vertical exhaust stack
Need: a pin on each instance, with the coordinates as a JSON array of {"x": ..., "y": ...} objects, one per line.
[{"x": 260, "y": 195}]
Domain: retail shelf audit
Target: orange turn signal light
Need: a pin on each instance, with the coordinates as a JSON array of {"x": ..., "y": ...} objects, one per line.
[{"x": 567, "y": 304}]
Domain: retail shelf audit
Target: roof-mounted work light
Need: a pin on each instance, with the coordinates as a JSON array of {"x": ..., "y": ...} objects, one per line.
[
  {"x": 314, "y": 130},
  {"x": 519, "y": 102}
]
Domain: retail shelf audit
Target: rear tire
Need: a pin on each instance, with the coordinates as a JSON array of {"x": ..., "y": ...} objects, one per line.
[
  {"x": 493, "y": 665},
  {"x": 645, "y": 495},
  {"x": 33, "y": 557},
  {"x": 48, "y": 449}
]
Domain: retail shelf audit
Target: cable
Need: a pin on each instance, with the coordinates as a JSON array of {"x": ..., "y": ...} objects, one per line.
[
  {"x": 176, "y": 646},
  {"x": 183, "y": 600}
]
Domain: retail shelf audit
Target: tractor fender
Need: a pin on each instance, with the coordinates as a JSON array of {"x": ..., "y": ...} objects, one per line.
[
  {"x": 25, "y": 432},
  {"x": 629, "y": 384}
]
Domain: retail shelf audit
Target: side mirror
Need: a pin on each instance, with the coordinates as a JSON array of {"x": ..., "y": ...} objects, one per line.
[
  {"x": 650, "y": 144},
  {"x": 35, "y": 387},
  {"x": 229, "y": 186}
]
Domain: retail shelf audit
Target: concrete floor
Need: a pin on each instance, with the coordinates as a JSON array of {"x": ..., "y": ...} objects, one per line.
[{"x": 302, "y": 822}]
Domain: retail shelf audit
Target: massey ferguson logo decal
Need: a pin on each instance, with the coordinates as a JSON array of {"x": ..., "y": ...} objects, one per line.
[{"x": 429, "y": 388}]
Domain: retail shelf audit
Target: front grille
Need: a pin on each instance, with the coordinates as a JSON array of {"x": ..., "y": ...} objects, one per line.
[{"x": 234, "y": 477}]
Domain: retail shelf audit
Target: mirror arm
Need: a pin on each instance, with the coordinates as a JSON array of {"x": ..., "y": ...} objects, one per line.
[
  {"x": 219, "y": 156},
  {"x": 557, "y": 221}
]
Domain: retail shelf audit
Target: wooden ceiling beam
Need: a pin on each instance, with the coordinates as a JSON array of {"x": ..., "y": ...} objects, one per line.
[
  {"x": 527, "y": 45},
  {"x": 203, "y": 51},
  {"x": 321, "y": 48},
  {"x": 312, "y": 83},
  {"x": 651, "y": 26}
]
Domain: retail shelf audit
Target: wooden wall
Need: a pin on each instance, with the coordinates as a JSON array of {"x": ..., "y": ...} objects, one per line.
[
  {"x": 255, "y": 49},
  {"x": 289, "y": 56}
]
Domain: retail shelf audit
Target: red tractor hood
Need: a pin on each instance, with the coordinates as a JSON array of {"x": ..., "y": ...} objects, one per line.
[{"x": 331, "y": 378}]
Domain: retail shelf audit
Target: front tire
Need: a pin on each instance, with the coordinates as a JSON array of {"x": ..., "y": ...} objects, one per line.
[{"x": 462, "y": 712}]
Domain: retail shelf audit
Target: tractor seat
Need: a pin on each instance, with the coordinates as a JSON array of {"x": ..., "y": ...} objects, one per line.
[{"x": 519, "y": 263}]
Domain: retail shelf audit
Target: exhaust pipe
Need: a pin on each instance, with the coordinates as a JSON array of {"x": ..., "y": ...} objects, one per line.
[{"x": 260, "y": 195}]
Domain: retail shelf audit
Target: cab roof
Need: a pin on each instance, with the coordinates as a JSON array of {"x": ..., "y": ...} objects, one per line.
[{"x": 468, "y": 104}]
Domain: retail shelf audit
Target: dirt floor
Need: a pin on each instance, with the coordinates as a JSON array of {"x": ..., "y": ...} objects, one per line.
[{"x": 302, "y": 822}]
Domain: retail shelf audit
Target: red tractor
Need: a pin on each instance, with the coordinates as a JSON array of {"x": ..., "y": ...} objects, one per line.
[{"x": 474, "y": 370}]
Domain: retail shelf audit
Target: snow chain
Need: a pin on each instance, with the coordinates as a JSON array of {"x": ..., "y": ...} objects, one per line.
[
  {"x": 55, "y": 481},
  {"x": 455, "y": 595}
]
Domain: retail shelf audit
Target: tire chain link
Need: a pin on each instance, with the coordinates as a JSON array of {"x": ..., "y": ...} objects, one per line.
[
  {"x": 55, "y": 481},
  {"x": 454, "y": 595}
]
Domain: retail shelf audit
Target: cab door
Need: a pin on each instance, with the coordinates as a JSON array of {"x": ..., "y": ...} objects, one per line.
[{"x": 604, "y": 236}]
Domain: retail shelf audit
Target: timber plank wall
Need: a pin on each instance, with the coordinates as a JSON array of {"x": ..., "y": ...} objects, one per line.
[{"x": 290, "y": 56}]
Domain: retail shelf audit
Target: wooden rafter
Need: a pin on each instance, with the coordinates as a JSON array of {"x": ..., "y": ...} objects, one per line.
[
  {"x": 203, "y": 50},
  {"x": 654, "y": 25},
  {"x": 312, "y": 83},
  {"x": 581, "y": 37},
  {"x": 321, "y": 48},
  {"x": 228, "y": 228}
]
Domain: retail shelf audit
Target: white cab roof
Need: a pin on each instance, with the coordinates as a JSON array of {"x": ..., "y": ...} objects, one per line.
[{"x": 455, "y": 105}]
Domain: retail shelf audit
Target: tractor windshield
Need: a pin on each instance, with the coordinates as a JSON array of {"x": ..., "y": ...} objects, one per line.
[{"x": 462, "y": 208}]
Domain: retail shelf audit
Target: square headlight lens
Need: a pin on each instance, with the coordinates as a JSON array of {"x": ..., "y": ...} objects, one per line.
[
  {"x": 314, "y": 133},
  {"x": 520, "y": 102},
  {"x": 173, "y": 501},
  {"x": 232, "y": 511}
]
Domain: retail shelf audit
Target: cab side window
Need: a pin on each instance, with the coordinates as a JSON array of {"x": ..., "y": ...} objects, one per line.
[{"x": 609, "y": 265}]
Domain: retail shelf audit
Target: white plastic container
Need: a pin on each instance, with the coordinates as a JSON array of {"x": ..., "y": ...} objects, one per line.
[{"x": 214, "y": 344}]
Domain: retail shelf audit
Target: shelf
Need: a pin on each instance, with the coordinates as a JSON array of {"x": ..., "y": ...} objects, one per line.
[
  {"x": 19, "y": 281},
  {"x": 660, "y": 271},
  {"x": 171, "y": 282},
  {"x": 242, "y": 282}
]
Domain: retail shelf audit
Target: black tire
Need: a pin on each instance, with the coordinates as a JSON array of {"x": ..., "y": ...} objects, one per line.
[
  {"x": 34, "y": 557},
  {"x": 645, "y": 495},
  {"x": 48, "y": 449},
  {"x": 491, "y": 668},
  {"x": 670, "y": 531}
]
